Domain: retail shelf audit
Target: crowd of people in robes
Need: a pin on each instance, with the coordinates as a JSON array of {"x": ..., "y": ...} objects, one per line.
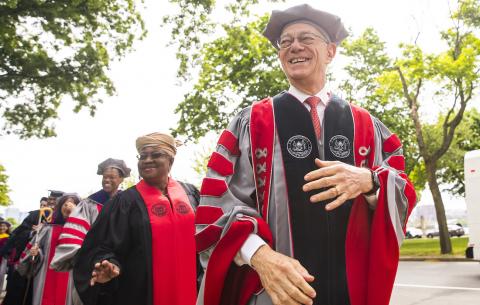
[
  {"x": 305, "y": 201},
  {"x": 134, "y": 246}
]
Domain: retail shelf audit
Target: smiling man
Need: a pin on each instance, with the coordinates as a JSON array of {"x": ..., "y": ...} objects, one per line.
[{"x": 306, "y": 199}]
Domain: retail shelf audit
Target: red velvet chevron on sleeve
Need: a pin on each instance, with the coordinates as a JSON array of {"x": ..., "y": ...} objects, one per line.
[
  {"x": 397, "y": 162},
  {"x": 207, "y": 214},
  {"x": 220, "y": 164},
  {"x": 391, "y": 144},
  {"x": 213, "y": 187},
  {"x": 207, "y": 237},
  {"x": 229, "y": 141}
]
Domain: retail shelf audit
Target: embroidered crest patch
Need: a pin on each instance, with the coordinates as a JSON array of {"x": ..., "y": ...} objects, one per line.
[
  {"x": 299, "y": 146},
  {"x": 159, "y": 209},
  {"x": 182, "y": 208},
  {"x": 339, "y": 146}
]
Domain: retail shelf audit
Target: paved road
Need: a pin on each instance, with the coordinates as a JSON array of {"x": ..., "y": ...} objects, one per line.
[{"x": 437, "y": 283}]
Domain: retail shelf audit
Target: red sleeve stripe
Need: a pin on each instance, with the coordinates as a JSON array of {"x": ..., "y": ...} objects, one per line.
[
  {"x": 22, "y": 256},
  {"x": 28, "y": 246},
  {"x": 80, "y": 222},
  {"x": 229, "y": 141},
  {"x": 207, "y": 214},
  {"x": 70, "y": 241},
  {"x": 397, "y": 162},
  {"x": 99, "y": 207},
  {"x": 74, "y": 232},
  {"x": 220, "y": 164},
  {"x": 213, "y": 187},
  {"x": 391, "y": 144},
  {"x": 207, "y": 237}
]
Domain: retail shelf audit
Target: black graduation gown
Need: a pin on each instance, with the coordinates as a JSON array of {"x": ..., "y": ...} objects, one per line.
[
  {"x": 122, "y": 225},
  {"x": 17, "y": 285}
]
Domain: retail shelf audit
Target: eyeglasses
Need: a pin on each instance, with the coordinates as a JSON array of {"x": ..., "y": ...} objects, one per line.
[
  {"x": 306, "y": 39},
  {"x": 152, "y": 155}
]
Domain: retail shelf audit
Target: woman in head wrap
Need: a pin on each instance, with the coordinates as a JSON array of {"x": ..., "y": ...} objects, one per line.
[
  {"x": 143, "y": 241},
  {"x": 49, "y": 287}
]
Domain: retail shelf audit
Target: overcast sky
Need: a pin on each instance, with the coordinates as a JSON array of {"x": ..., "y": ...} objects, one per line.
[{"x": 147, "y": 93}]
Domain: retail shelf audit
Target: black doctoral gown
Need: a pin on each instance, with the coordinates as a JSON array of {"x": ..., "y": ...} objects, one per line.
[
  {"x": 123, "y": 225},
  {"x": 120, "y": 221}
]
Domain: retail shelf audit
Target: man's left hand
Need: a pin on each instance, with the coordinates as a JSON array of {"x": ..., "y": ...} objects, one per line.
[{"x": 339, "y": 180}]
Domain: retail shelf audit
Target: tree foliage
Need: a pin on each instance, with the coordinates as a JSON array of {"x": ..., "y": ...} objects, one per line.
[
  {"x": 240, "y": 67},
  {"x": 50, "y": 50},
  {"x": 193, "y": 25},
  {"x": 367, "y": 64},
  {"x": 4, "y": 198},
  {"x": 236, "y": 70},
  {"x": 467, "y": 138},
  {"x": 14, "y": 223},
  {"x": 446, "y": 81}
]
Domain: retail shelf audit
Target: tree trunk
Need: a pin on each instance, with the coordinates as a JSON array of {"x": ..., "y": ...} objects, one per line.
[{"x": 445, "y": 244}]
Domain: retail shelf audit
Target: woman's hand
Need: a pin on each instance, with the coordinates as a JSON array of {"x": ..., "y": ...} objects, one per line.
[{"x": 104, "y": 272}]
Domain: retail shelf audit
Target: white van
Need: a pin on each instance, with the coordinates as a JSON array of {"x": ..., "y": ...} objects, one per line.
[{"x": 472, "y": 198}]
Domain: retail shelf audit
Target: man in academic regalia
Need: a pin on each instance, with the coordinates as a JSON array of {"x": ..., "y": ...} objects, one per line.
[
  {"x": 16, "y": 284},
  {"x": 306, "y": 195},
  {"x": 113, "y": 172},
  {"x": 143, "y": 240}
]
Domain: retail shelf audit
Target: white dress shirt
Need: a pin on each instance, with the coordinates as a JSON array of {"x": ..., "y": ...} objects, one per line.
[{"x": 323, "y": 94}]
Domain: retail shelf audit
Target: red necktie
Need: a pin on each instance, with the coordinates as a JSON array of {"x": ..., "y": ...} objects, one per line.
[{"x": 313, "y": 102}]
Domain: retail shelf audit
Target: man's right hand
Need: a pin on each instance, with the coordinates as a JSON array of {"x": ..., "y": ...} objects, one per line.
[
  {"x": 284, "y": 278},
  {"x": 104, "y": 272}
]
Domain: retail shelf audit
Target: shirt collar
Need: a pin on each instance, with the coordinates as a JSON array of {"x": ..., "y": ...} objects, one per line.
[{"x": 302, "y": 96}]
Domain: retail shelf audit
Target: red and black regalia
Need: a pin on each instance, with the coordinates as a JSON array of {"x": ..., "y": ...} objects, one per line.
[
  {"x": 254, "y": 185},
  {"x": 150, "y": 236}
]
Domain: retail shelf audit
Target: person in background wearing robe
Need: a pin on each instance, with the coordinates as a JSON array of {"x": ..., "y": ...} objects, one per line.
[
  {"x": 143, "y": 240},
  {"x": 306, "y": 199},
  {"x": 4, "y": 234},
  {"x": 49, "y": 286},
  {"x": 17, "y": 285},
  {"x": 113, "y": 172},
  {"x": 43, "y": 202}
]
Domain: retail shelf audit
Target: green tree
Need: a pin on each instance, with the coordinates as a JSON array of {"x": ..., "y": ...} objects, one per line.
[
  {"x": 4, "y": 198},
  {"x": 236, "y": 70},
  {"x": 467, "y": 138},
  {"x": 51, "y": 50},
  {"x": 240, "y": 67},
  {"x": 13, "y": 222},
  {"x": 448, "y": 78},
  {"x": 367, "y": 61},
  {"x": 193, "y": 25}
]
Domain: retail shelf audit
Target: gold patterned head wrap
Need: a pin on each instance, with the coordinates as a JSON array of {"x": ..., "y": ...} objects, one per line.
[{"x": 161, "y": 140}]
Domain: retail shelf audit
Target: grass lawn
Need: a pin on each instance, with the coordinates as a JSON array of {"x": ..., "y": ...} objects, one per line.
[{"x": 431, "y": 247}]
